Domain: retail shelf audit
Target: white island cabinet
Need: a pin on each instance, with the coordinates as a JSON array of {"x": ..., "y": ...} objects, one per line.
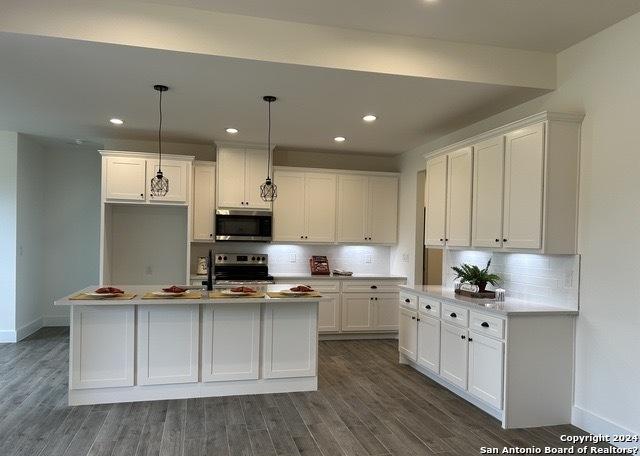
[
  {"x": 155, "y": 349},
  {"x": 512, "y": 359}
]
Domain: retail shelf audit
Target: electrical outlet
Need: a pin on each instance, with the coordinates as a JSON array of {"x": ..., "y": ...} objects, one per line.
[
  {"x": 405, "y": 257},
  {"x": 568, "y": 279},
  {"x": 292, "y": 258},
  {"x": 368, "y": 259}
]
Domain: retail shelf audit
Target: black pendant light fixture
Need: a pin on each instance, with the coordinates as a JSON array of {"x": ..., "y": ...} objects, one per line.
[
  {"x": 159, "y": 183},
  {"x": 268, "y": 190}
]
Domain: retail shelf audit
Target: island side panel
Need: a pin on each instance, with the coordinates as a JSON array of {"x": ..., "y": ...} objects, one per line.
[{"x": 102, "y": 346}]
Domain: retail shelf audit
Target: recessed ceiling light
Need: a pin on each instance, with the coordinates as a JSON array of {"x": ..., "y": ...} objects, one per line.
[
  {"x": 116, "y": 121},
  {"x": 339, "y": 139},
  {"x": 369, "y": 118},
  {"x": 232, "y": 131},
  {"x": 79, "y": 141}
]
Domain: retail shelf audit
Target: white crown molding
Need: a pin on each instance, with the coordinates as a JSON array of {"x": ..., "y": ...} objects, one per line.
[
  {"x": 247, "y": 145},
  {"x": 543, "y": 116},
  {"x": 148, "y": 155},
  {"x": 334, "y": 171}
]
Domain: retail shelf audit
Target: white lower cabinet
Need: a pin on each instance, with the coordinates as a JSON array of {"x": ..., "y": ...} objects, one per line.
[
  {"x": 357, "y": 312},
  {"x": 454, "y": 354},
  {"x": 289, "y": 340},
  {"x": 428, "y": 343},
  {"x": 385, "y": 311},
  {"x": 102, "y": 346},
  {"x": 408, "y": 335},
  {"x": 168, "y": 344},
  {"x": 230, "y": 342},
  {"x": 486, "y": 360},
  {"x": 329, "y": 313}
]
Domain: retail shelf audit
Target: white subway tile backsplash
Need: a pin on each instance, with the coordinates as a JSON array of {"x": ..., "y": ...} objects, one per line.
[{"x": 549, "y": 279}]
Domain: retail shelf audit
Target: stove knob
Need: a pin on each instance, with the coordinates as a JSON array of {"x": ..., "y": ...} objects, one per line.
[
  {"x": 219, "y": 258},
  {"x": 253, "y": 258},
  {"x": 264, "y": 258},
  {"x": 224, "y": 258}
]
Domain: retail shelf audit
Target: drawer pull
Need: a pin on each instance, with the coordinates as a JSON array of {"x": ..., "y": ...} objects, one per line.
[
  {"x": 485, "y": 324},
  {"x": 407, "y": 300},
  {"x": 428, "y": 307},
  {"x": 463, "y": 337},
  {"x": 453, "y": 315},
  {"x": 374, "y": 287},
  {"x": 413, "y": 318}
]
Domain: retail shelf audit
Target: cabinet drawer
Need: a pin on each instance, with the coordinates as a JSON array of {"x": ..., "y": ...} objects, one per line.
[
  {"x": 455, "y": 314},
  {"x": 486, "y": 324},
  {"x": 409, "y": 301},
  {"x": 430, "y": 307},
  {"x": 370, "y": 286}
]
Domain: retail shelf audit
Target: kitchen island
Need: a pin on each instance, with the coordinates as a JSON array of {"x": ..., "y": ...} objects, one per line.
[{"x": 173, "y": 348}]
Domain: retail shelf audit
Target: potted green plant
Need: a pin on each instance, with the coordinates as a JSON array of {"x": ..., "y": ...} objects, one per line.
[{"x": 470, "y": 273}]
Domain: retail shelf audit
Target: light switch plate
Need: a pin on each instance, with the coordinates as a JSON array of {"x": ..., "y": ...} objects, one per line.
[
  {"x": 292, "y": 258},
  {"x": 368, "y": 259}
]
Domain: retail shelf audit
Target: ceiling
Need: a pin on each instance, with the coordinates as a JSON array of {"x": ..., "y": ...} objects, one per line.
[
  {"x": 543, "y": 25},
  {"x": 69, "y": 89}
]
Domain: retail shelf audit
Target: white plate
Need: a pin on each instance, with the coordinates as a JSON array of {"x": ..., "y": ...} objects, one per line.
[
  {"x": 297, "y": 293},
  {"x": 236, "y": 293},
  {"x": 167, "y": 293},
  {"x": 102, "y": 295}
]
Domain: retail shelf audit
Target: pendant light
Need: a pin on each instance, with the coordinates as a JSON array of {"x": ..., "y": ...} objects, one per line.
[
  {"x": 159, "y": 183},
  {"x": 268, "y": 190}
]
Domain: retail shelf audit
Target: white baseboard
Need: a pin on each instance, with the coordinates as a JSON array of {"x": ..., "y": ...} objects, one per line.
[
  {"x": 7, "y": 336},
  {"x": 55, "y": 320},
  {"x": 595, "y": 424},
  {"x": 29, "y": 328},
  {"x": 358, "y": 336}
]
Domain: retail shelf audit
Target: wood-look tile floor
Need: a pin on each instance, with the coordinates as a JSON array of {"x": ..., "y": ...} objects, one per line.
[{"x": 367, "y": 404}]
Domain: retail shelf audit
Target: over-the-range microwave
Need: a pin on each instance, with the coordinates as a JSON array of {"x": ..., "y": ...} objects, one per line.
[{"x": 243, "y": 225}]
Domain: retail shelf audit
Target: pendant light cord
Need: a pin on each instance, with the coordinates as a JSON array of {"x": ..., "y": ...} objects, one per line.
[
  {"x": 160, "y": 135},
  {"x": 269, "y": 141}
]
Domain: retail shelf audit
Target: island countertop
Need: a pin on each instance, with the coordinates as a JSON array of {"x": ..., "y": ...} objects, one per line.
[
  {"x": 510, "y": 306},
  {"x": 140, "y": 290}
]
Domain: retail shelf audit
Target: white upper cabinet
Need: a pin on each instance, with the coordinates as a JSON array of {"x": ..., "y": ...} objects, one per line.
[
  {"x": 241, "y": 171},
  {"x": 488, "y": 169},
  {"x": 305, "y": 210},
  {"x": 459, "y": 179},
  {"x": 177, "y": 173},
  {"x": 382, "y": 220},
  {"x": 435, "y": 201},
  {"x": 288, "y": 208},
  {"x": 125, "y": 178},
  {"x": 367, "y": 209},
  {"x": 523, "y": 188},
  {"x": 204, "y": 202},
  {"x": 352, "y": 208}
]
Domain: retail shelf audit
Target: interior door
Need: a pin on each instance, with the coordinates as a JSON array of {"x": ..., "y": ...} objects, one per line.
[
  {"x": 320, "y": 207},
  {"x": 408, "y": 333},
  {"x": 288, "y": 208},
  {"x": 125, "y": 178},
  {"x": 486, "y": 361},
  {"x": 231, "y": 178},
  {"x": 204, "y": 202},
  {"x": 383, "y": 209},
  {"x": 352, "y": 208},
  {"x": 255, "y": 175},
  {"x": 523, "y": 188},
  {"x": 357, "y": 312},
  {"x": 459, "y": 180},
  {"x": 428, "y": 355},
  {"x": 177, "y": 173},
  {"x": 435, "y": 201},
  {"x": 488, "y": 178},
  {"x": 454, "y": 352}
]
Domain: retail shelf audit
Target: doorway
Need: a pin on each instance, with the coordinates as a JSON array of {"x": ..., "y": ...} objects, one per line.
[{"x": 428, "y": 260}]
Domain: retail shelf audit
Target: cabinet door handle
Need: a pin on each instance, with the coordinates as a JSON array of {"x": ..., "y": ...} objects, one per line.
[
  {"x": 413, "y": 318},
  {"x": 453, "y": 315},
  {"x": 418, "y": 319},
  {"x": 306, "y": 237},
  {"x": 504, "y": 240},
  {"x": 210, "y": 234},
  {"x": 446, "y": 239},
  {"x": 428, "y": 307},
  {"x": 141, "y": 195},
  {"x": 374, "y": 287},
  {"x": 301, "y": 237},
  {"x": 463, "y": 337},
  {"x": 441, "y": 239},
  {"x": 485, "y": 324},
  {"x": 497, "y": 240},
  {"x": 470, "y": 339}
]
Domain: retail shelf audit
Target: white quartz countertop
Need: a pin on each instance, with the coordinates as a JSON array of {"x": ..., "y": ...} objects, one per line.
[
  {"x": 307, "y": 276},
  {"x": 140, "y": 290},
  {"x": 510, "y": 306}
]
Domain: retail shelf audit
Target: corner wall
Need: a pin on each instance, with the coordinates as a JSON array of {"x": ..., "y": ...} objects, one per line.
[{"x": 601, "y": 77}]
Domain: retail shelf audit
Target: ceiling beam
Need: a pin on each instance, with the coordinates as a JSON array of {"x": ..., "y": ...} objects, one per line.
[{"x": 243, "y": 37}]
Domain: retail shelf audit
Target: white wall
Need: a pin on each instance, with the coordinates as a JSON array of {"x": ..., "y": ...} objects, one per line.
[
  {"x": 32, "y": 182},
  {"x": 71, "y": 226},
  {"x": 8, "y": 214},
  {"x": 600, "y": 77}
]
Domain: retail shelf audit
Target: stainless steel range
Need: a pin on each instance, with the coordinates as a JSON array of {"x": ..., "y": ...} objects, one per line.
[{"x": 241, "y": 268}]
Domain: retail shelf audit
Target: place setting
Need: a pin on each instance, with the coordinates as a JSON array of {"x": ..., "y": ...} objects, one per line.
[
  {"x": 294, "y": 292},
  {"x": 172, "y": 292},
  {"x": 103, "y": 293}
]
